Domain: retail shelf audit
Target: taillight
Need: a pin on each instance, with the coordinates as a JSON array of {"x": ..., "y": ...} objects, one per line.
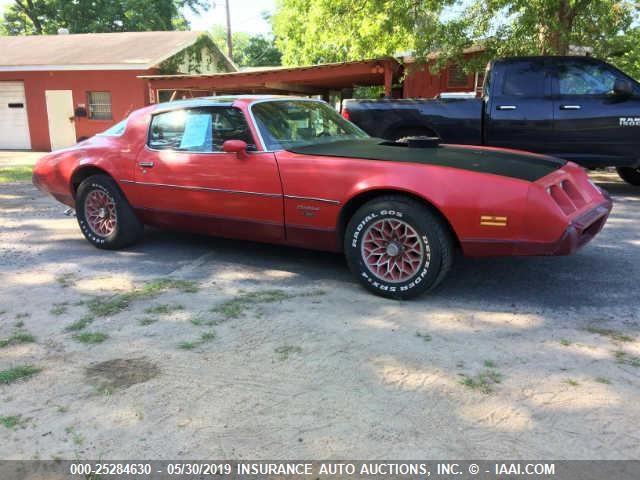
[{"x": 345, "y": 114}]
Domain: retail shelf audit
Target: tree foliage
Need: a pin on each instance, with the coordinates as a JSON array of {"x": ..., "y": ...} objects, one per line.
[
  {"x": 536, "y": 27},
  {"x": 248, "y": 50},
  {"x": 27, "y": 17},
  {"x": 313, "y": 31}
]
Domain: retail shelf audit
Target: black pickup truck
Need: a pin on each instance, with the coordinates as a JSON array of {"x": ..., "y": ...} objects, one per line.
[{"x": 577, "y": 108}]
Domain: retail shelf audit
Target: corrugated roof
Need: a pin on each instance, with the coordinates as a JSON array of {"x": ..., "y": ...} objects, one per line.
[{"x": 95, "y": 51}]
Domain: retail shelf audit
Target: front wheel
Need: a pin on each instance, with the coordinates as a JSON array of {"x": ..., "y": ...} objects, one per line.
[
  {"x": 630, "y": 175},
  {"x": 104, "y": 215},
  {"x": 397, "y": 247}
]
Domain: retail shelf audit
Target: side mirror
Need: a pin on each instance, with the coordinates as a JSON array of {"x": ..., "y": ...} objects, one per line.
[
  {"x": 236, "y": 146},
  {"x": 622, "y": 88}
]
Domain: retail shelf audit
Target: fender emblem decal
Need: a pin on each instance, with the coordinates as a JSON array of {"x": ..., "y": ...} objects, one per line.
[{"x": 493, "y": 221}]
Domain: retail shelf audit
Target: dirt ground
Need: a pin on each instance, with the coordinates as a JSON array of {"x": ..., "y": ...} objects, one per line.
[{"x": 193, "y": 347}]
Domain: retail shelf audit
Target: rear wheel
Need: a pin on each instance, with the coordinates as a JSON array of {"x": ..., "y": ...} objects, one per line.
[
  {"x": 104, "y": 215},
  {"x": 630, "y": 175},
  {"x": 397, "y": 247}
]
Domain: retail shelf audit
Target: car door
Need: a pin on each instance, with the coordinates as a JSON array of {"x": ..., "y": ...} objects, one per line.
[
  {"x": 519, "y": 106},
  {"x": 592, "y": 125},
  {"x": 185, "y": 180}
]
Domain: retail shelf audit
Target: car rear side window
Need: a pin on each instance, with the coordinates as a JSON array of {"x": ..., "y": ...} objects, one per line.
[
  {"x": 202, "y": 129},
  {"x": 524, "y": 79}
]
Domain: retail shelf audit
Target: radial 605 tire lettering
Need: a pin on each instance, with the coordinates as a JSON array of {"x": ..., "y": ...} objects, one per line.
[{"x": 397, "y": 247}]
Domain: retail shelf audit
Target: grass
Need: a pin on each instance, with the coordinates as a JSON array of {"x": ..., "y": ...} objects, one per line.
[
  {"x": 22, "y": 315},
  {"x": 164, "y": 309},
  {"x": 286, "y": 350},
  {"x": 612, "y": 334},
  {"x": 484, "y": 381},
  {"x": 236, "y": 307},
  {"x": 81, "y": 324},
  {"x": 18, "y": 373},
  {"x": 572, "y": 382},
  {"x": 107, "y": 306},
  {"x": 622, "y": 358},
  {"x": 75, "y": 436},
  {"x": 17, "y": 338},
  {"x": 15, "y": 174},
  {"x": 490, "y": 364},
  {"x": 59, "y": 308},
  {"x": 424, "y": 336},
  {"x": 12, "y": 421},
  {"x": 90, "y": 337},
  {"x": 606, "y": 381},
  {"x": 147, "y": 321},
  {"x": 564, "y": 342},
  {"x": 190, "y": 345},
  {"x": 66, "y": 280}
]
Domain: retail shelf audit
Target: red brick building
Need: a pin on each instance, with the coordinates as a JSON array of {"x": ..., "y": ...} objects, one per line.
[{"x": 56, "y": 89}]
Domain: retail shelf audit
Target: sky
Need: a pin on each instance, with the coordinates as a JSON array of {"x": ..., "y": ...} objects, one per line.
[{"x": 245, "y": 15}]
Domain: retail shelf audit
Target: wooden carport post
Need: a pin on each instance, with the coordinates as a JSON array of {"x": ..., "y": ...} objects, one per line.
[{"x": 388, "y": 78}]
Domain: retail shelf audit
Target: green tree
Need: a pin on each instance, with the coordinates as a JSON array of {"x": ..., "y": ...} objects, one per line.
[
  {"x": 534, "y": 27},
  {"x": 27, "y": 17},
  {"x": 248, "y": 50},
  {"x": 314, "y": 31}
]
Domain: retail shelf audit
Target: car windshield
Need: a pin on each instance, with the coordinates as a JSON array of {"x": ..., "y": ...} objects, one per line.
[{"x": 292, "y": 123}]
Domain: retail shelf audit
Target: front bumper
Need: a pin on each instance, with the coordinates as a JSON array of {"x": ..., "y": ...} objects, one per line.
[{"x": 581, "y": 230}]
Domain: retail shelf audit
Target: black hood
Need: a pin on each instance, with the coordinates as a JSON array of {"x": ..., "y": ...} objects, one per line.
[{"x": 523, "y": 166}]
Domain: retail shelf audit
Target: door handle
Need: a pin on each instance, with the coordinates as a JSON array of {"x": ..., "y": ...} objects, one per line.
[
  {"x": 506, "y": 107},
  {"x": 570, "y": 107},
  {"x": 146, "y": 164}
]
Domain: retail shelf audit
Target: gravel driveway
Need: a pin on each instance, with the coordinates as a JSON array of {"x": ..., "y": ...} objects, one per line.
[{"x": 195, "y": 347}]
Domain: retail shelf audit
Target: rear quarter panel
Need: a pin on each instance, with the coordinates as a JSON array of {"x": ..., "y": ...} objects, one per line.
[{"x": 114, "y": 155}]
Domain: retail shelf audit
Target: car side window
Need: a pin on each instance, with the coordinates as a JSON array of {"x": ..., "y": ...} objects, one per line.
[
  {"x": 523, "y": 79},
  {"x": 230, "y": 124},
  {"x": 579, "y": 78},
  {"x": 198, "y": 129}
]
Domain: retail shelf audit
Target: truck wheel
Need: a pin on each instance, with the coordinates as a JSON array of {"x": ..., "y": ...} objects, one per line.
[
  {"x": 104, "y": 215},
  {"x": 630, "y": 175},
  {"x": 397, "y": 247}
]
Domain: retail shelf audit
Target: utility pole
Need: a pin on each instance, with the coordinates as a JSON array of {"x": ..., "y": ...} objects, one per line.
[{"x": 229, "y": 43}]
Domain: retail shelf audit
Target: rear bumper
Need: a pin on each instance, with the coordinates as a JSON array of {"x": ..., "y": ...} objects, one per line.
[
  {"x": 580, "y": 231},
  {"x": 38, "y": 181}
]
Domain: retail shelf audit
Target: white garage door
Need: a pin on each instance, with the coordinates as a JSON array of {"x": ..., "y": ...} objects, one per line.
[{"x": 14, "y": 128}]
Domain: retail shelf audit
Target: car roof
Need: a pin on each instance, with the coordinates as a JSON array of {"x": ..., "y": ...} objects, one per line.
[{"x": 221, "y": 101}]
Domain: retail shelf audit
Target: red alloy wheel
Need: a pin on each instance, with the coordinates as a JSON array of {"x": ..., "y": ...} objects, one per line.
[
  {"x": 100, "y": 213},
  {"x": 392, "y": 250}
]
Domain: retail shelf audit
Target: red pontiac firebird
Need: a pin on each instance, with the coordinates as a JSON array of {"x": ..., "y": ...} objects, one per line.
[{"x": 292, "y": 171}]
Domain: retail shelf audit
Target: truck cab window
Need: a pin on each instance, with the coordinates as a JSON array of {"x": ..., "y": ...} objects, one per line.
[
  {"x": 578, "y": 78},
  {"x": 524, "y": 79}
]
